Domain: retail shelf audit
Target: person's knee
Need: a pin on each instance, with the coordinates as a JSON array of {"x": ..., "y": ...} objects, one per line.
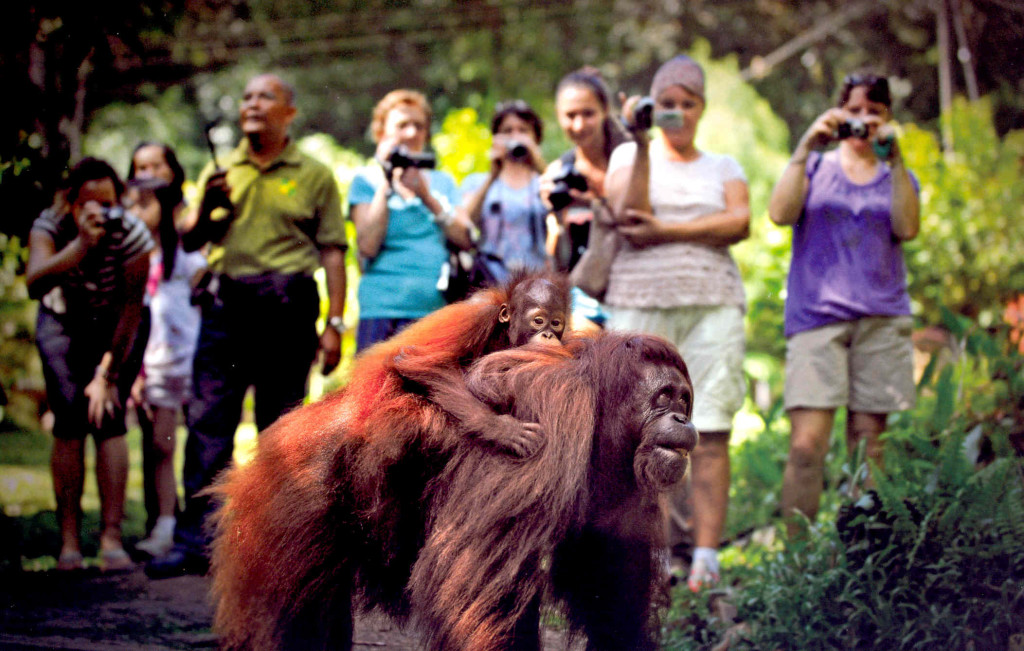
[
  {"x": 862, "y": 426},
  {"x": 807, "y": 454},
  {"x": 163, "y": 445}
]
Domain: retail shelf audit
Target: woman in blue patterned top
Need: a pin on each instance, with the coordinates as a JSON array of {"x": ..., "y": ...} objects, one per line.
[{"x": 505, "y": 202}]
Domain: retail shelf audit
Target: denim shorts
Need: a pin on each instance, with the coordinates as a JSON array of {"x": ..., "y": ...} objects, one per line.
[{"x": 70, "y": 348}]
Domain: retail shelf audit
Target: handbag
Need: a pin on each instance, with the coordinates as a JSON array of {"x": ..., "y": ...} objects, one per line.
[{"x": 467, "y": 271}]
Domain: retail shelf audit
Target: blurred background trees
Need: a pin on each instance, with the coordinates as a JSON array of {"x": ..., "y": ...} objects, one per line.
[{"x": 84, "y": 81}]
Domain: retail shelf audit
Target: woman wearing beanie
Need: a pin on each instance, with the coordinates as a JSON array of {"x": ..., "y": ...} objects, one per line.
[
  {"x": 848, "y": 319},
  {"x": 679, "y": 209}
]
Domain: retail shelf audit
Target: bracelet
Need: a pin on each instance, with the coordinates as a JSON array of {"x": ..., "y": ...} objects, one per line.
[
  {"x": 107, "y": 374},
  {"x": 338, "y": 324},
  {"x": 794, "y": 161},
  {"x": 444, "y": 218}
]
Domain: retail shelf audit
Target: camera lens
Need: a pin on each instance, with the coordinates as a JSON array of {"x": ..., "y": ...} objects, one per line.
[
  {"x": 852, "y": 128},
  {"x": 517, "y": 151}
]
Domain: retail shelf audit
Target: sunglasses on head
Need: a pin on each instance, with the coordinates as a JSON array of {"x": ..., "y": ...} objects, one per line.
[
  {"x": 871, "y": 81},
  {"x": 516, "y": 105}
]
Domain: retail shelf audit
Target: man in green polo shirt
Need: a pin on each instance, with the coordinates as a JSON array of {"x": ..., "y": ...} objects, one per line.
[{"x": 271, "y": 216}]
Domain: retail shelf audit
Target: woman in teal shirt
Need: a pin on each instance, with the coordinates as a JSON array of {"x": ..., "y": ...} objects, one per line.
[{"x": 401, "y": 226}]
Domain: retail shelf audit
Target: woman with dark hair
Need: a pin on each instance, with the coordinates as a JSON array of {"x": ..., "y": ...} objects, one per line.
[
  {"x": 88, "y": 266},
  {"x": 164, "y": 385},
  {"x": 847, "y": 317},
  {"x": 583, "y": 107},
  {"x": 157, "y": 160},
  {"x": 505, "y": 202}
]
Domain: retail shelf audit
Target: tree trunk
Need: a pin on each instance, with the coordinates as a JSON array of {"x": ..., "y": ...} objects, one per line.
[{"x": 945, "y": 76}]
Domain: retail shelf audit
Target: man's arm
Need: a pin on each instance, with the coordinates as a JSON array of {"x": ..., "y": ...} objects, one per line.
[{"x": 332, "y": 259}]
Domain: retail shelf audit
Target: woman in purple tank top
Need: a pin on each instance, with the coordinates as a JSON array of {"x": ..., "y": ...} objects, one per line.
[{"x": 847, "y": 309}]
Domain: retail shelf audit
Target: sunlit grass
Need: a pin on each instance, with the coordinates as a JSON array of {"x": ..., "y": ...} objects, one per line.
[{"x": 26, "y": 490}]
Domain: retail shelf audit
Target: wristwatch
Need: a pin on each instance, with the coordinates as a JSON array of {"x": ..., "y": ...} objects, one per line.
[{"x": 337, "y": 323}]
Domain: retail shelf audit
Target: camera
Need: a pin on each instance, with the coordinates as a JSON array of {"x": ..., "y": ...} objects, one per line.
[
  {"x": 852, "y": 128},
  {"x": 517, "y": 151},
  {"x": 568, "y": 179},
  {"x": 643, "y": 114},
  {"x": 402, "y": 158},
  {"x": 112, "y": 216}
]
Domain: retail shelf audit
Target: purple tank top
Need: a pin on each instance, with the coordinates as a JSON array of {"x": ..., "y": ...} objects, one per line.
[{"x": 847, "y": 263}]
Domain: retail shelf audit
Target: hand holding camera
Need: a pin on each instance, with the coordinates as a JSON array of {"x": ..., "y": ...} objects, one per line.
[
  {"x": 566, "y": 187},
  {"x": 836, "y": 125},
  {"x": 641, "y": 114},
  {"x": 406, "y": 164},
  {"x": 217, "y": 194},
  {"x": 91, "y": 222}
]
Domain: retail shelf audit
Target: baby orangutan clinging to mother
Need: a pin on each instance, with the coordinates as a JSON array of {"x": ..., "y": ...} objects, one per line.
[{"x": 434, "y": 352}]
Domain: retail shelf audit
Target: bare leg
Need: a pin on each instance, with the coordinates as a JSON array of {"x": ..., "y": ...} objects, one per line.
[
  {"x": 165, "y": 423},
  {"x": 805, "y": 467},
  {"x": 709, "y": 488},
  {"x": 868, "y": 428},
  {"x": 111, "y": 477},
  {"x": 67, "y": 464}
]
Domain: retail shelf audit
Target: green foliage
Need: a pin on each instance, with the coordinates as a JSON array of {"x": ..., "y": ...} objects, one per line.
[
  {"x": 738, "y": 121},
  {"x": 166, "y": 117},
  {"x": 462, "y": 143},
  {"x": 933, "y": 557},
  {"x": 21, "y": 383},
  {"x": 344, "y": 163},
  {"x": 969, "y": 255}
]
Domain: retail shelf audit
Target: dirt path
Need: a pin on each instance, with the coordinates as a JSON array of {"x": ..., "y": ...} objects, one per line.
[{"x": 91, "y": 611}]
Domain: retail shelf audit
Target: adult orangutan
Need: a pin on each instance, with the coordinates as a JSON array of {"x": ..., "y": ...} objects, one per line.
[
  {"x": 467, "y": 542},
  {"x": 618, "y": 409},
  {"x": 387, "y": 437}
]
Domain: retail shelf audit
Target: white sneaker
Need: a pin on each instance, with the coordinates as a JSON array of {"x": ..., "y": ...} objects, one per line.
[
  {"x": 156, "y": 545},
  {"x": 703, "y": 569}
]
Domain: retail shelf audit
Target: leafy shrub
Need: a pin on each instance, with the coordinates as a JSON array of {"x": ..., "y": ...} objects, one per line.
[
  {"x": 968, "y": 254},
  {"x": 933, "y": 556}
]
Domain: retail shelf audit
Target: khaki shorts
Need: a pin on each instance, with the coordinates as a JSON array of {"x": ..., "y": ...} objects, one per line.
[
  {"x": 866, "y": 365},
  {"x": 712, "y": 342}
]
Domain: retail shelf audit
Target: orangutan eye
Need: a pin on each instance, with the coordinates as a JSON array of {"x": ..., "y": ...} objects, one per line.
[{"x": 663, "y": 398}]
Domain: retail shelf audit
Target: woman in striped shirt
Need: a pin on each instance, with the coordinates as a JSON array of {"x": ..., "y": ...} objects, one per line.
[{"x": 88, "y": 266}]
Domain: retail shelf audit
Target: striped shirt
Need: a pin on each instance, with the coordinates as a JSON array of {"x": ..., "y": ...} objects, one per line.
[{"x": 99, "y": 278}]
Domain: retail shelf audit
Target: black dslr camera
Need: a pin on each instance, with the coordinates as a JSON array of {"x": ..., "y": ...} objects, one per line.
[
  {"x": 852, "y": 128},
  {"x": 401, "y": 157},
  {"x": 568, "y": 179},
  {"x": 112, "y": 216},
  {"x": 517, "y": 151}
]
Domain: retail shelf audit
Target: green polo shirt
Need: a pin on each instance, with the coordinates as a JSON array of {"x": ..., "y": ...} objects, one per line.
[{"x": 284, "y": 214}]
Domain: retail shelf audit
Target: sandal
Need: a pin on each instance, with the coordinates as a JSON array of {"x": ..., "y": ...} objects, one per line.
[
  {"x": 115, "y": 560},
  {"x": 70, "y": 562}
]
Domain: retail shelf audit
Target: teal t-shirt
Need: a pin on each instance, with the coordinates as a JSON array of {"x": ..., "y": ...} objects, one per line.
[{"x": 400, "y": 282}]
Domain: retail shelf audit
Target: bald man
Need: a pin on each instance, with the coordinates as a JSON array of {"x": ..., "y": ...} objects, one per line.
[{"x": 271, "y": 216}]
